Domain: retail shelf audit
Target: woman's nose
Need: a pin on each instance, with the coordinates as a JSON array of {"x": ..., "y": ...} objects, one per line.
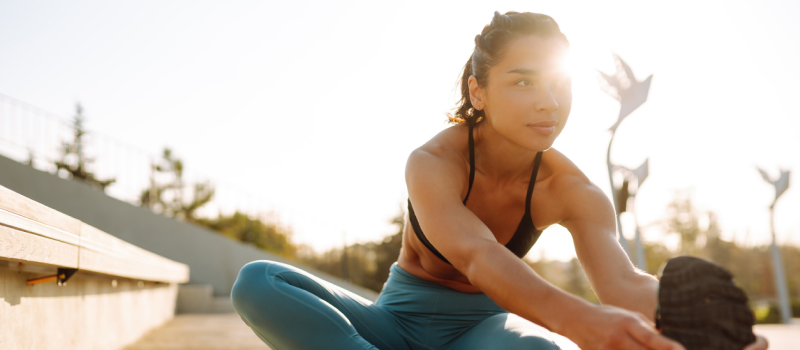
[{"x": 546, "y": 101}]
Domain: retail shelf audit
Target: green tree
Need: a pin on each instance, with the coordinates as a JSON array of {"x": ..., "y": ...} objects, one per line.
[
  {"x": 365, "y": 264},
  {"x": 657, "y": 255},
  {"x": 74, "y": 162},
  {"x": 264, "y": 235},
  {"x": 171, "y": 197},
  {"x": 683, "y": 220}
]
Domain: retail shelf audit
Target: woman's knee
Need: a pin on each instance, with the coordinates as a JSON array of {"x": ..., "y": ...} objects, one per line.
[
  {"x": 527, "y": 335},
  {"x": 508, "y": 331},
  {"x": 532, "y": 342},
  {"x": 251, "y": 285}
]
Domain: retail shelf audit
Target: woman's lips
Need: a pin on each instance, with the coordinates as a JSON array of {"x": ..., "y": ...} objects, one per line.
[{"x": 544, "y": 128}]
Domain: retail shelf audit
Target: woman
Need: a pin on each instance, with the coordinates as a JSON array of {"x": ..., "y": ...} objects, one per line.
[{"x": 459, "y": 282}]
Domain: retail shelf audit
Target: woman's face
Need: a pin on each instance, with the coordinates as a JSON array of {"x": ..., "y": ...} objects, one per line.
[{"x": 528, "y": 95}]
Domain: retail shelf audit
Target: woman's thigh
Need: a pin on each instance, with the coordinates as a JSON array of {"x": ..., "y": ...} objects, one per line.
[
  {"x": 289, "y": 308},
  {"x": 505, "y": 331}
]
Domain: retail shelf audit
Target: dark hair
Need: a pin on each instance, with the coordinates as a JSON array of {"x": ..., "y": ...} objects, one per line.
[{"x": 489, "y": 49}]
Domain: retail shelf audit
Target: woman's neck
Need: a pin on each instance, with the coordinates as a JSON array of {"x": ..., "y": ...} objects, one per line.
[{"x": 499, "y": 158}]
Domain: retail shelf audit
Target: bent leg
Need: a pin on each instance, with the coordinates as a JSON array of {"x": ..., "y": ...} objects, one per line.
[
  {"x": 291, "y": 309},
  {"x": 505, "y": 331}
]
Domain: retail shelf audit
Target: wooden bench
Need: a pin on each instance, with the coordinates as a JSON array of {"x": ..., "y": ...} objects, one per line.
[{"x": 33, "y": 233}]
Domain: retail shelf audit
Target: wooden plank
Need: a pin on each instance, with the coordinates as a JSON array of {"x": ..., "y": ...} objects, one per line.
[
  {"x": 24, "y": 224},
  {"x": 26, "y": 207},
  {"x": 27, "y": 247},
  {"x": 103, "y": 253},
  {"x": 116, "y": 266}
]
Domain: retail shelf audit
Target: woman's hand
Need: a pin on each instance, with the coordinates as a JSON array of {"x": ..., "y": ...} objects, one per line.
[
  {"x": 760, "y": 344},
  {"x": 609, "y": 327}
]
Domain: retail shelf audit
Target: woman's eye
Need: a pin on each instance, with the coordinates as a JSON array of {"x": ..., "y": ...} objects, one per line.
[{"x": 523, "y": 82}]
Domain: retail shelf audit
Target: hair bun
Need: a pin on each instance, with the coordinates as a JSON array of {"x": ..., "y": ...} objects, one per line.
[{"x": 501, "y": 21}]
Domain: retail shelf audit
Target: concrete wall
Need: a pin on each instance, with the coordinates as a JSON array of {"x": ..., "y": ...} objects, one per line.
[
  {"x": 89, "y": 312},
  {"x": 212, "y": 258},
  {"x": 200, "y": 299}
]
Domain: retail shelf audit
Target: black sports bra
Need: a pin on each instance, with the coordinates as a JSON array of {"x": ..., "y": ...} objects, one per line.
[{"x": 526, "y": 234}]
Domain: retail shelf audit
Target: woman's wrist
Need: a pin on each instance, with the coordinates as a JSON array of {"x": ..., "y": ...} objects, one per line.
[
  {"x": 573, "y": 310},
  {"x": 638, "y": 293}
]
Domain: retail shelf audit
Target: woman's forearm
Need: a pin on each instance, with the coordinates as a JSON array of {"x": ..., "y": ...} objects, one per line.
[
  {"x": 514, "y": 286},
  {"x": 637, "y": 291}
]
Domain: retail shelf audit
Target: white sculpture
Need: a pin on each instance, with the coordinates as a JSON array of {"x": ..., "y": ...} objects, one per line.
[
  {"x": 624, "y": 87},
  {"x": 639, "y": 174},
  {"x": 781, "y": 184},
  {"x": 631, "y": 94}
]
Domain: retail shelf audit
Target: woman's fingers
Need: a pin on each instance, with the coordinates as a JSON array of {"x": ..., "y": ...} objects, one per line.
[
  {"x": 760, "y": 344},
  {"x": 628, "y": 343},
  {"x": 651, "y": 339},
  {"x": 614, "y": 328}
]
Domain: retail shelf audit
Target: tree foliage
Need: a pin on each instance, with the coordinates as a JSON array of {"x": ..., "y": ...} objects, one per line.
[
  {"x": 364, "y": 264},
  {"x": 683, "y": 219},
  {"x": 74, "y": 162},
  {"x": 171, "y": 197},
  {"x": 264, "y": 235}
]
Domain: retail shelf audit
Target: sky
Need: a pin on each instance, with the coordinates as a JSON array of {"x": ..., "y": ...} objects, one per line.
[{"x": 312, "y": 107}]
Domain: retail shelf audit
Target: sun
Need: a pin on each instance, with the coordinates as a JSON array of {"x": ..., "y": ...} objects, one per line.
[{"x": 568, "y": 64}]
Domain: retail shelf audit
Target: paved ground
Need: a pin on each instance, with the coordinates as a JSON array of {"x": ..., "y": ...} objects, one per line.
[
  {"x": 228, "y": 332},
  {"x": 781, "y": 337},
  {"x": 201, "y": 332}
]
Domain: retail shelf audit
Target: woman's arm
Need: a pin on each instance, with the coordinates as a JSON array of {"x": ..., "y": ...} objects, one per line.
[
  {"x": 434, "y": 184},
  {"x": 590, "y": 219}
]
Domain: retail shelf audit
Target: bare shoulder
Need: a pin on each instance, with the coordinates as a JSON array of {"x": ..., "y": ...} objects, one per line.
[
  {"x": 576, "y": 195},
  {"x": 565, "y": 175},
  {"x": 441, "y": 157}
]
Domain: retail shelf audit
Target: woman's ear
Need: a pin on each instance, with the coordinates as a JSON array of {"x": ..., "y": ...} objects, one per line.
[{"x": 475, "y": 93}]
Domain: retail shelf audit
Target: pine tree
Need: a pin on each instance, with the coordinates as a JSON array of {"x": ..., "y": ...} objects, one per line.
[{"x": 74, "y": 161}]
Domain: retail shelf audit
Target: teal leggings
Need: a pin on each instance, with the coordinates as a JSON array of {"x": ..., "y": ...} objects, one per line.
[{"x": 289, "y": 308}]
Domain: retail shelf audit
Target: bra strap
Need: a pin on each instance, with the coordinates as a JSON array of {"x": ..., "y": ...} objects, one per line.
[
  {"x": 533, "y": 182},
  {"x": 471, "y": 163}
]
